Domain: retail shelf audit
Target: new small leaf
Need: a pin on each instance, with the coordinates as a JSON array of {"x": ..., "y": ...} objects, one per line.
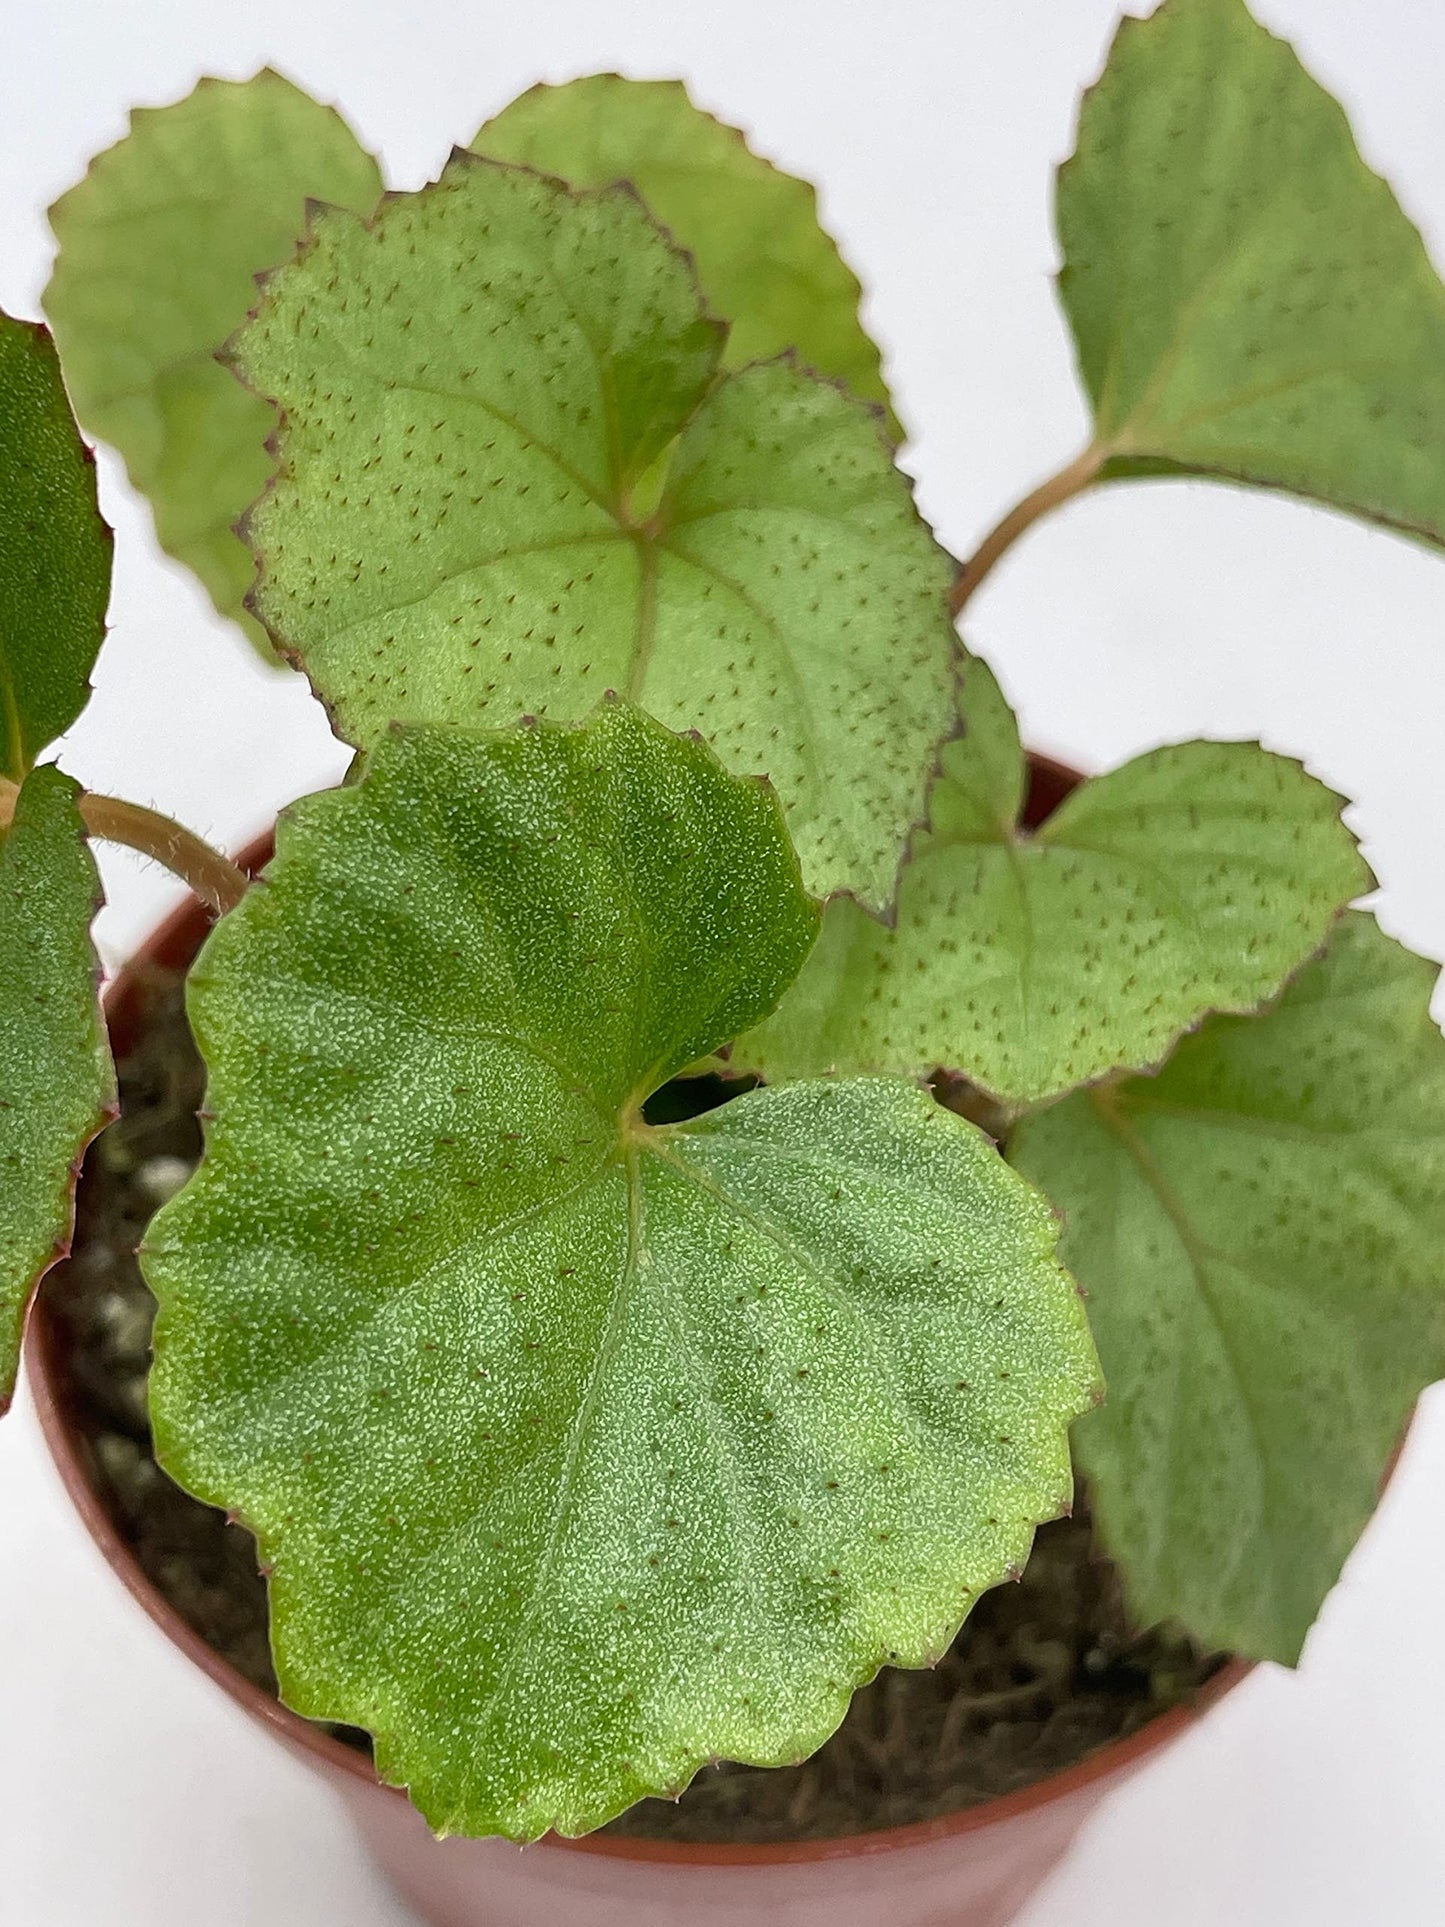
[{"x": 1193, "y": 879}]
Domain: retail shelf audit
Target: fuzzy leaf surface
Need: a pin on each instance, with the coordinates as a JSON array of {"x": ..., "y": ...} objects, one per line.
[
  {"x": 1259, "y": 1229},
  {"x": 767, "y": 265},
  {"x": 512, "y": 480},
  {"x": 1247, "y": 298},
  {"x": 54, "y": 552},
  {"x": 160, "y": 245},
  {"x": 56, "y": 1083},
  {"x": 1193, "y": 879},
  {"x": 581, "y": 1450}
]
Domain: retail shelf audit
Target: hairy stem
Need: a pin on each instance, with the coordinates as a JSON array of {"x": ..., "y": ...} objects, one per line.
[
  {"x": 214, "y": 878},
  {"x": 1071, "y": 480}
]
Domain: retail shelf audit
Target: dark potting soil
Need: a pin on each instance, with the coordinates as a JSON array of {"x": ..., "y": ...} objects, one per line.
[{"x": 1043, "y": 1672}]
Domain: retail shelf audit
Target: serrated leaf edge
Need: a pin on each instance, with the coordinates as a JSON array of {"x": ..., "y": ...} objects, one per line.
[
  {"x": 1120, "y": 446},
  {"x": 888, "y": 416},
  {"x": 230, "y": 356}
]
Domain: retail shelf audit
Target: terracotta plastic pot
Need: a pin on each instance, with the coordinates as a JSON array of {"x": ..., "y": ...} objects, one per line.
[{"x": 970, "y": 1869}]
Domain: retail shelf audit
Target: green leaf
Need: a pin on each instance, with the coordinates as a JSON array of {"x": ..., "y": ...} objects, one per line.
[
  {"x": 54, "y": 552},
  {"x": 583, "y": 1450},
  {"x": 160, "y": 245},
  {"x": 1260, "y": 1232},
  {"x": 1247, "y": 298},
  {"x": 1193, "y": 879},
  {"x": 766, "y": 264},
  {"x": 512, "y": 480},
  {"x": 56, "y": 1083}
]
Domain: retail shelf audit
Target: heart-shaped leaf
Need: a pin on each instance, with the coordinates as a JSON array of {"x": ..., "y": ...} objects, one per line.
[
  {"x": 512, "y": 480},
  {"x": 54, "y": 552},
  {"x": 582, "y": 1450},
  {"x": 767, "y": 266},
  {"x": 160, "y": 245},
  {"x": 1247, "y": 298},
  {"x": 1192, "y": 879},
  {"x": 56, "y": 1083},
  {"x": 1260, "y": 1231}
]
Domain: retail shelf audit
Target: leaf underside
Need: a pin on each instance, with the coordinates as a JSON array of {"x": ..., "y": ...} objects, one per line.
[
  {"x": 582, "y": 1451},
  {"x": 54, "y": 552},
  {"x": 56, "y": 1083},
  {"x": 1194, "y": 878},
  {"x": 513, "y": 479},
  {"x": 160, "y": 245},
  {"x": 1260, "y": 1231},
  {"x": 766, "y": 264},
  {"x": 1247, "y": 298}
]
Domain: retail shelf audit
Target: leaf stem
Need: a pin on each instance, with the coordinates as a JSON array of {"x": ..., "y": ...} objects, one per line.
[
  {"x": 1072, "y": 479},
  {"x": 215, "y": 879},
  {"x": 646, "y": 633}
]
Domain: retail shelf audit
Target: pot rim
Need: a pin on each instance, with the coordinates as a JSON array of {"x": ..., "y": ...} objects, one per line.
[{"x": 174, "y": 943}]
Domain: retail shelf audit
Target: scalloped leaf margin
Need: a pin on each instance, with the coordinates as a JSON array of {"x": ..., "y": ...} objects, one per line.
[
  {"x": 512, "y": 478},
  {"x": 582, "y": 1451}
]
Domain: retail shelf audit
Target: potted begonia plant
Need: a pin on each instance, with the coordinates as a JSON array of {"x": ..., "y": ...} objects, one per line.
[{"x": 679, "y": 1120}]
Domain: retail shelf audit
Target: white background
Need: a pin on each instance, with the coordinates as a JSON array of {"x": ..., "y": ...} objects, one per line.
[{"x": 130, "y": 1792}]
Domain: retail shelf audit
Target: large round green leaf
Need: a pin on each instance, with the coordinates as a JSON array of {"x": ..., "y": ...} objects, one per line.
[
  {"x": 767, "y": 266},
  {"x": 1193, "y": 879},
  {"x": 580, "y": 1450},
  {"x": 1261, "y": 1231},
  {"x": 54, "y": 552},
  {"x": 1247, "y": 298},
  {"x": 56, "y": 1082},
  {"x": 160, "y": 245},
  {"x": 512, "y": 479}
]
